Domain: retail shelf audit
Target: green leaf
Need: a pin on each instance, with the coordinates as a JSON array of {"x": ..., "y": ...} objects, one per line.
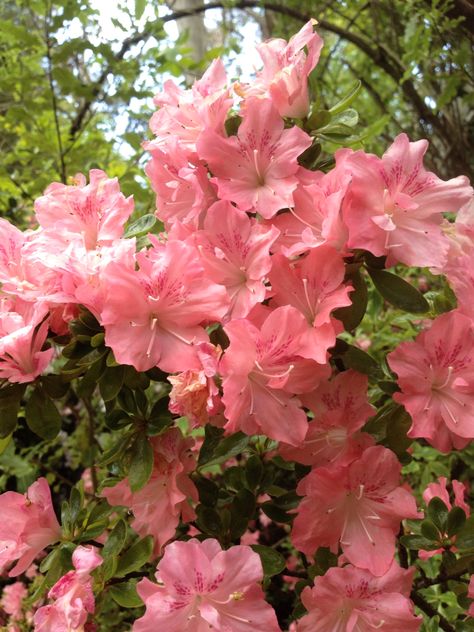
[
  {"x": 398, "y": 292},
  {"x": 417, "y": 542},
  {"x": 430, "y": 531},
  {"x": 398, "y": 423},
  {"x": 111, "y": 382},
  {"x": 276, "y": 513},
  {"x": 141, "y": 226},
  {"x": 208, "y": 520},
  {"x": 355, "y": 358},
  {"x": 226, "y": 449},
  {"x": 10, "y": 401},
  {"x": 465, "y": 536},
  {"x": 4, "y": 443},
  {"x": 125, "y": 594},
  {"x": 55, "y": 386},
  {"x": 254, "y": 471},
  {"x": 116, "y": 540},
  {"x": 456, "y": 520},
  {"x": 346, "y": 100},
  {"x": 352, "y": 315},
  {"x": 212, "y": 437},
  {"x": 136, "y": 557},
  {"x": 438, "y": 513},
  {"x": 42, "y": 416},
  {"x": 141, "y": 463},
  {"x": 272, "y": 561}
]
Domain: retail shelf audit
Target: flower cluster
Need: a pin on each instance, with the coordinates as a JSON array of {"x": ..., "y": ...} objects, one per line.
[{"x": 260, "y": 249}]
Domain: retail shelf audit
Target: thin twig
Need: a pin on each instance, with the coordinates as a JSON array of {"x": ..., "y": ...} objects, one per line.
[{"x": 49, "y": 73}]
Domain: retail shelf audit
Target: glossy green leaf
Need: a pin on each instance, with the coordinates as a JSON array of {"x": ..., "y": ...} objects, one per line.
[
  {"x": 272, "y": 561},
  {"x": 346, "y": 101},
  {"x": 136, "y": 557},
  {"x": 398, "y": 292},
  {"x": 142, "y": 226},
  {"x": 42, "y": 416},
  {"x": 125, "y": 594},
  {"x": 141, "y": 463}
]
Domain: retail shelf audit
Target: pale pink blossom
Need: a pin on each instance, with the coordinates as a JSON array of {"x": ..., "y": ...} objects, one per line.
[
  {"x": 358, "y": 506},
  {"x": 316, "y": 217},
  {"x": 29, "y": 525},
  {"x": 314, "y": 286},
  {"x": 72, "y": 594},
  {"x": 203, "y": 588},
  {"x": 395, "y": 206},
  {"x": 286, "y": 67},
  {"x": 195, "y": 393},
  {"x": 340, "y": 409},
  {"x": 22, "y": 336},
  {"x": 184, "y": 114},
  {"x": 96, "y": 211},
  {"x": 349, "y": 599},
  {"x": 235, "y": 253},
  {"x": 12, "y": 600},
  {"x": 155, "y": 316},
  {"x": 157, "y": 507},
  {"x": 181, "y": 183},
  {"x": 257, "y": 168},
  {"x": 436, "y": 377},
  {"x": 262, "y": 372}
]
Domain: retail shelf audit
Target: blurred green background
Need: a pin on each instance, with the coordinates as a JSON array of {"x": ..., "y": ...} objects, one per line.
[{"x": 77, "y": 78}]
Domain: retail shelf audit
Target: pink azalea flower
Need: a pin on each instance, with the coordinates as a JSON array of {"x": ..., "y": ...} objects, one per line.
[
  {"x": 257, "y": 168},
  {"x": 182, "y": 186},
  {"x": 340, "y": 410},
  {"x": 314, "y": 286},
  {"x": 359, "y": 506},
  {"x": 348, "y": 599},
  {"x": 184, "y": 114},
  {"x": 195, "y": 393},
  {"x": 72, "y": 594},
  {"x": 395, "y": 206},
  {"x": 29, "y": 526},
  {"x": 12, "y": 600},
  {"x": 316, "y": 217},
  {"x": 97, "y": 211},
  {"x": 262, "y": 371},
  {"x": 158, "y": 506},
  {"x": 286, "y": 67},
  {"x": 22, "y": 336},
  {"x": 235, "y": 253},
  {"x": 436, "y": 377},
  {"x": 203, "y": 588},
  {"x": 154, "y": 316},
  {"x": 439, "y": 490}
]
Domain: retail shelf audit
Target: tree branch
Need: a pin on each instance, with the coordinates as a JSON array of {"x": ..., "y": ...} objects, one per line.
[
  {"x": 428, "y": 609},
  {"x": 49, "y": 74}
]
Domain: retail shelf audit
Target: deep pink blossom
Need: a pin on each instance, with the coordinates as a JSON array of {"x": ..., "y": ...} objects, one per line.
[
  {"x": 314, "y": 286},
  {"x": 203, "y": 588},
  {"x": 235, "y": 253},
  {"x": 395, "y": 206},
  {"x": 340, "y": 410},
  {"x": 349, "y": 599},
  {"x": 436, "y": 376},
  {"x": 359, "y": 506},
  {"x": 72, "y": 595},
  {"x": 286, "y": 67},
  {"x": 154, "y": 316},
  {"x": 262, "y": 371},
  {"x": 96, "y": 211},
  {"x": 28, "y": 526},
  {"x": 257, "y": 168},
  {"x": 157, "y": 507}
]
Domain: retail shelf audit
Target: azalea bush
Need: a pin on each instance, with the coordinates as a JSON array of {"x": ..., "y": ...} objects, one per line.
[{"x": 252, "y": 410}]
